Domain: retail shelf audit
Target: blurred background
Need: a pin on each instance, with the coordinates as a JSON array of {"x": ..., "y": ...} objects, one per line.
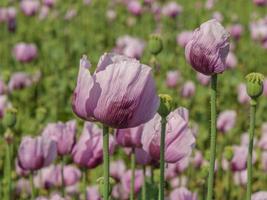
[{"x": 41, "y": 43}]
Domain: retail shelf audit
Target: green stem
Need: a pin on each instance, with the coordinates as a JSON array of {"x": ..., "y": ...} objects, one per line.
[
  {"x": 62, "y": 176},
  {"x": 106, "y": 161},
  {"x": 7, "y": 173},
  {"x": 253, "y": 105},
  {"x": 162, "y": 160},
  {"x": 84, "y": 183},
  {"x": 133, "y": 174},
  {"x": 144, "y": 186},
  {"x": 32, "y": 187},
  {"x": 229, "y": 180},
  {"x": 213, "y": 135}
]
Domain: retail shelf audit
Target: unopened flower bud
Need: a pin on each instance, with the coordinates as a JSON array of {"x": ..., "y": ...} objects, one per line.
[
  {"x": 100, "y": 182},
  {"x": 165, "y": 105},
  {"x": 155, "y": 44},
  {"x": 10, "y": 118},
  {"x": 254, "y": 84}
]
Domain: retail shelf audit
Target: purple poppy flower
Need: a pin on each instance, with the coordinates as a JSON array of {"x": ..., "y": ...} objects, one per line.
[
  {"x": 203, "y": 79},
  {"x": 231, "y": 61},
  {"x": 130, "y": 46},
  {"x": 208, "y": 48},
  {"x": 3, "y": 15},
  {"x": 172, "y": 9},
  {"x": 35, "y": 153},
  {"x": 130, "y": 137},
  {"x": 72, "y": 175},
  {"x": 179, "y": 138},
  {"x": 23, "y": 187},
  {"x": 48, "y": 177},
  {"x": 49, "y": 3},
  {"x": 121, "y": 93},
  {"x": 236, "y": 31},
  {"x": 20, "y": 171},
  {"x": 117, "y": 169},
  {"x": 264, "y": 160},
  {"x": 63, "y": 134},
  {"x": 239, "y": 160},
  {"x": 182, "y": 194},
  {"x": 198, "y": 159},
  {"x": 93, "y": 193},
  {"x": 183, "y": 38},
  {"x": 88, "y": 151},
  {"x": 240, "y": 177},
  {"x": 19, "y": 80},
  {"x": 172, "y": 78},
  {"x": 243, "y": 97},
  {"x": 142, "y": 157},
  {"x": 135, "y": 7},
  {"x": 260, "y": 2},
  {"x": 226, "y": 120},
  {"x": 262, "y": 195},
  {"x": 188, "y": 89},
  {"x": 4, "y": 104},
  {"x": 263, "y": 141},
  {"x": 264, "y": 87},
  {"x": 29, "y": 7},
  {"x": 24, "y": 52},
  {"x": 126, "y": 181}
]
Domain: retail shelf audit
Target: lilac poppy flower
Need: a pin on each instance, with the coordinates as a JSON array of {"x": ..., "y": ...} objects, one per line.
[
  {"x": 182, "y": 194},
  {"x": 188, "y": 89},
  {"x": 35, "y": 153},
  {"x": 130, "y": 46},
  {"x": 208, "y": 48},
  {"x": 179, "y": 138},
  {"x": 226, "y": 120},
  {"x": 262, "y": 195},
  {"x": 121, "y": 93},
  {"x": 203, "y": 79},
  {"x": 117, "y": 169},
  {"x": 172, "y": 9},
  {"x": 243, "y": 97},
  {"x": 63, "y": 134},
  {"x": 231, "y": 61},
  {"x": 29, "y": 7},
  {"x": 24, "y": 52},
  {"x": 126, "y": 181},
  {"x": 92, "y": 193},
  {"x": 172, "y": 78},
  {"x": 88, "y": 151},
  {"x": 19, "y": 80},
  {"x": 130, "y": 137},
  {"x": 135, "y": 7},
  {"x": 260, "y": 2},
  {"x": 183, "y": 38}
]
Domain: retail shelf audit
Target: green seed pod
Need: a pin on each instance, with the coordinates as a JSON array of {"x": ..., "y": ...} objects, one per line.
[
  {"x": 254, "y": 85},
  {"x": 165, "y": 105},
  {"x": 228, "y": 153},
  {"x": 10, "y": 118},
  {"x": 155, "y": 44},
  {"x": 100, "y": 182}
]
